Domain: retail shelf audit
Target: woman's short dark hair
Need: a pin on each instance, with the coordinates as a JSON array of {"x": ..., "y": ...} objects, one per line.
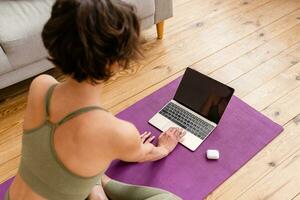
[{"x": 84, "y": 37}]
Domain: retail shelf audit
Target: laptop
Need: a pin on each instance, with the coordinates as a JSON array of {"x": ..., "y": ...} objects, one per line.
[{"x": 197, "y": 107}]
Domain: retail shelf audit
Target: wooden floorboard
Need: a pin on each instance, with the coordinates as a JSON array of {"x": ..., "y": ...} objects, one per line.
[
  {"x": 252, "y": 45},
  {"x": 266, "y": 71},
  {"x": 176, "y": 58}
]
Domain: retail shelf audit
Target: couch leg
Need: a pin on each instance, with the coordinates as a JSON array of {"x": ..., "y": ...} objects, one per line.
[{"x": 160, "y": 30}]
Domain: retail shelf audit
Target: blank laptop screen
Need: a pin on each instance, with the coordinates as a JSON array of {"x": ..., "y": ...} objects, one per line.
[{"x": 203, "y": 95}]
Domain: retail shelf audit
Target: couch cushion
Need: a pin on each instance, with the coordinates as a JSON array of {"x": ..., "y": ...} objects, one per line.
[
  {"x": 21, "y": 23},
  {"x": 23, "y": 73}
]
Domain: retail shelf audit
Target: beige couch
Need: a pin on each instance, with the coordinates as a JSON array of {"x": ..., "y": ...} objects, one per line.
[{"x": 22, "y": 54}]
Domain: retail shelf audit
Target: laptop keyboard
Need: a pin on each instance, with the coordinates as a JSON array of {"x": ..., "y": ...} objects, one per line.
[{"x": 186, "y": 120}]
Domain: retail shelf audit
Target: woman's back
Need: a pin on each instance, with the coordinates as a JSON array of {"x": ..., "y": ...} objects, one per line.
[{"x": 59, "y": 136}]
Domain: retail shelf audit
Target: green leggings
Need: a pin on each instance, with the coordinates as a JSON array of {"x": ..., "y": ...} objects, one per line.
[
  {"x": 116, "y": 190},
  {"x": 6, "y": 196}
]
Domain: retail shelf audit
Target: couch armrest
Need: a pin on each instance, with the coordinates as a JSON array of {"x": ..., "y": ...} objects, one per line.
[{"x": 163, "y": 10}]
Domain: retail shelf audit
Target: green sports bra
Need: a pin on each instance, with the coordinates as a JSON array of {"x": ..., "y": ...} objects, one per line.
[{"x": 41, "y": 168}]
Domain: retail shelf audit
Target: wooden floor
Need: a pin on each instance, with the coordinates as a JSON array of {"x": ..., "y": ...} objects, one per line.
[{"x": 252, "y": 45}]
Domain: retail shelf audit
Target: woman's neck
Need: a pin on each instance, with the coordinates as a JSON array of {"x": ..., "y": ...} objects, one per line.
[{"x": 83, "y": 90}]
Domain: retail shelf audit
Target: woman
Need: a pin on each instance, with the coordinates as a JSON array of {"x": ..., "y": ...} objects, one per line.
[{"x": 69, "y": 140}]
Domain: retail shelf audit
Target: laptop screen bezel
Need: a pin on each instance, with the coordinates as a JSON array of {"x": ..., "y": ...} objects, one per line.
[{"x": 221, "y": 84}]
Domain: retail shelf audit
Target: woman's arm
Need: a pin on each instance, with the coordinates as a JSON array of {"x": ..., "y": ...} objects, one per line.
[
  {"x": 138, "y": 148},
  {"x": 149, "y": 152}
]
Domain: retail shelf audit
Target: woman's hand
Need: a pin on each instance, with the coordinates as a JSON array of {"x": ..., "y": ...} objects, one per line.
[
  {"x": 139, "y": 148},
  {"x": 146, "y": 137},
  {"x": 169, "y": 139}
]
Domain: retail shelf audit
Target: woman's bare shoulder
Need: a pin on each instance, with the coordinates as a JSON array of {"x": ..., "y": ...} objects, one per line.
[
  {"x": 120, "y": 132},
  {"x": 38, "y": 89},
  {"x": 36, "y": 100},
  {"x": 41, "y": 83},
  {"x": 117, "y": 127}
]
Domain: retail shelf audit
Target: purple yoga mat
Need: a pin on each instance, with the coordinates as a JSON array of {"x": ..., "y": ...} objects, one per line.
[
  {"x": 3, "y": 188},
  {"x": 241, "y": 133}
]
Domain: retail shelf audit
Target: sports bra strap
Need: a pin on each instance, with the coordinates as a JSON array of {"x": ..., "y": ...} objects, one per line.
[
  {"x": 70, "y": 115},
  {"x": 48, "y": 100},
  {"x": 78, "y": 112}
]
